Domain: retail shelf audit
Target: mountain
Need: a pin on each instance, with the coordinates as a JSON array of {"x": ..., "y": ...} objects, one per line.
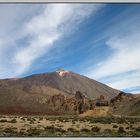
[{"x": 59, "y": 92}]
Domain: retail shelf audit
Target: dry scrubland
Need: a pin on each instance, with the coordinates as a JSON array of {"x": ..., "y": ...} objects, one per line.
[{"x": 38, "y": 126}]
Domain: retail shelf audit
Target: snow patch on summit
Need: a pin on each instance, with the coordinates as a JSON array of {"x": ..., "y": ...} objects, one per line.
[{"x": 62, "y": 72}]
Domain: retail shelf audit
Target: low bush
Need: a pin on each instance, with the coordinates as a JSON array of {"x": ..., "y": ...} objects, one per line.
[
  {"x": 71, "y": 129},
  {"x": 13, "y": 121},
  {"x": 9, "y": 130},
  {"x": 95, "y": 129},
  {"x": 127, "y": 128},
  {"x": 3, "y": 121},
  {"x": 54, "y": 129},
  {"x": 84, "y": 130},
  {"x": 108, "y": 131},
  {"x": 115, "y": 126},
  {"x": 34, "y": 132},
  {"x": 121, "y": 130},
  {"x": 137, "y": 129}
]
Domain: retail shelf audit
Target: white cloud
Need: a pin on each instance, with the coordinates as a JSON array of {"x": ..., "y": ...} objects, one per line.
[
  {"x": 41, "y": 31},
  {"x": 126, "y": 82},
  {"x": 48, "y": 27},
  {"x": 122, "y": 67},
  {"x": 13, "y": 17}
]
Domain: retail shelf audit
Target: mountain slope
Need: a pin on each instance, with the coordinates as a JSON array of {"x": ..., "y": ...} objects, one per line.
[
  {"x": 126, "y": 105},
  {"x": 51, "y": 93},
  {"x": 69, "y": 83}
]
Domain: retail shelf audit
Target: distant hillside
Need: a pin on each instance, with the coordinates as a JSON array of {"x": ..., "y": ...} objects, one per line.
[{"x": 126, "y": 105}]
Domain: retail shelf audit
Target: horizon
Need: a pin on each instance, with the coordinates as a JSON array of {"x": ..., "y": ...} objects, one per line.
[{"x": 99, "y": 41}]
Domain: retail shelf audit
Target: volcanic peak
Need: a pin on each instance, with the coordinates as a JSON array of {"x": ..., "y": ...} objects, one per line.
[{"x": 62, "y": 72}]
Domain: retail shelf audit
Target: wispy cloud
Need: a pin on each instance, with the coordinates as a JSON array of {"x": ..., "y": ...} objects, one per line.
[
  {"x": 41, "y": 31},
  {"x": 121, "y": 68}
]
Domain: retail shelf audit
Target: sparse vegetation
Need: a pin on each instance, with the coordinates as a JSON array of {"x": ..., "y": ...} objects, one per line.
[
  {"x": 34, "y": 132},
  {"x": 56, "y": 126}
]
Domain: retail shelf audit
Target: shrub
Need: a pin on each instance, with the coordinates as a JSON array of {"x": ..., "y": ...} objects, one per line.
[
  {"x": 3, "y": 121},
  {"x": 71, "y": 129},
  {"x": 108, "y": 131},
  {"x": 95, "y": 129},
  {"x": 73, "y": 122},
  {"x": 40, "y": 118},
  {"x": 60, "y": 130},
  {"x": 34, "y": 132},
  {"x": 22, "y": 118},
  {"x": 53, "y": 129},
  {"x": 121, "y": 120},
  {"x": 85, "y": 130},
  {"x": 13, "y": 121},
  {"x": 137, "y": 129},
  {"x": 9, "y": 130},
  {"x": 22, "y": 129},
  {"x": 115, "y": 126},
  {"x": 21, "y": 133},
  {"x": 121, "y": 130},
  {"x": 50, "y": 128},
  {"x": 31, "y": 122},
  {"x": 127, "y": 128}
]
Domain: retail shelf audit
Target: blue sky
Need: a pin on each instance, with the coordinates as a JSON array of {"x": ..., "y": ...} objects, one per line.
[{"x": 101, "y": 41}]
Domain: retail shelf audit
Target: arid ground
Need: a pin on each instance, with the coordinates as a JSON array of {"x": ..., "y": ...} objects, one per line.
[{"x": 67, "y": 126}]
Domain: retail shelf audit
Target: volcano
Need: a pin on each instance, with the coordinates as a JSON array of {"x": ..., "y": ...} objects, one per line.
[{"x": 58, "y": 92}]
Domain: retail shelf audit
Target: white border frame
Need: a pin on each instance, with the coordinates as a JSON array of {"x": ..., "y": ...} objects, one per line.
[{"x": 68, "y": 1}]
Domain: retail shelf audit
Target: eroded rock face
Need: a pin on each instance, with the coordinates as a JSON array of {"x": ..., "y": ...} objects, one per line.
[
  {"x": 83, "y": 103},
  {"x": 119, "y": 97},
  {"x": 76, "y": 104},
  {"x": 102, "y": 101}
]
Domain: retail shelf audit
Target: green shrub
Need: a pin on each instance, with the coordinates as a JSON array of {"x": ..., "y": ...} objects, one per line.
[
  {"x": 121, "y": 130},
  {"x": 115, "y": 126},
  {"x": 137, "y": 129},
  {"x": 108, "y": 131},
  {"x": 53, "y": 129},
  {"x": 34, "y": 132},
  {"x": 49, "y": 128},
  {"x": 21, "y": 134},
  {"x": 121, "y": 120},
  {"x": 31, "y": 122},
  {"x": 73, "y": 122},
  {"x": 22, "y": 129},
  {"x": 85, "y": 130},
  {"x": 40, "y": 118},
  {"x": 23, "y": 119},
  {"x": 71, "y": 129},
  {"x": 3, "y": 121},
  {"x": 60, "y": 130},
  {"x": 95, "y": 129},
  {"x": 13, "y": 121},
  {"x": 127, "y": 128},
  {"x": 9, "y": 130}
]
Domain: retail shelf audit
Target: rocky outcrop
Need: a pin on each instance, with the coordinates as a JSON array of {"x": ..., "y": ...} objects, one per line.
[
  {"x": 101, "y": 101},
  {"x": 120, "y": 97},
  {"x": 76, "y": 104},
  {"x": 83, "y": 103}
]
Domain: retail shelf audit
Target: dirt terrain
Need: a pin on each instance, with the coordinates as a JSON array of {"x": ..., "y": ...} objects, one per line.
[{"x": 38, "y": 126}]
